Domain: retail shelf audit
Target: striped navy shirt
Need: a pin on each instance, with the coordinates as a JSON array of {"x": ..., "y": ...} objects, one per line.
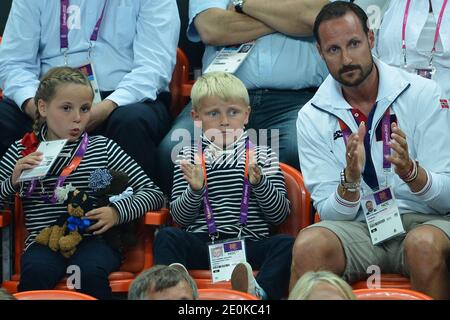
[
  {"x": 101, "y": 153},
  {"x": 268, "y": 203}
]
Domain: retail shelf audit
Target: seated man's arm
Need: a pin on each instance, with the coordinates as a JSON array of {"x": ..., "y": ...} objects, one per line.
[
  {"x": 19, "y": 61},
  {"x": 429, "y": 145},
  {"x": 321, "y": 170},
  {"x": 154, "y": 47},
  {"x": 220, "y": 27},
  {"x": 291, "y": 17}
]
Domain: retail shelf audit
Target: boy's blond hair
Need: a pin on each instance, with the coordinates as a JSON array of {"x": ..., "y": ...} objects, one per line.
[
  {"x": 222, "y": 85},
  {"x": 309, "y": 280}
]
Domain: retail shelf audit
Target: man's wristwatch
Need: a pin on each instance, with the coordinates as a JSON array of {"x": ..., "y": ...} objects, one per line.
[
  {"x": 349, "y": 186},
  {"x": 238, "y": 4}
]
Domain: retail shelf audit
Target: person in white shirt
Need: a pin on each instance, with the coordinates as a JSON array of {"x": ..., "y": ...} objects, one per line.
[
  {"x": 372, "y": 126},
  {"x": 427, "y": 26},
  {"x": 132, "y": 47}
]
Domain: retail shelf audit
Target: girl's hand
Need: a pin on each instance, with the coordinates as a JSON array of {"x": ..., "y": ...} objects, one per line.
[
  {"x": 28, "y": 162},
  {"x": 107, "y": 217}
]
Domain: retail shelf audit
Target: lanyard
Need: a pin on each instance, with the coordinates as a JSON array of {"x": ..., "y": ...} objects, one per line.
[
  {"x": 436, "y": 34},
  {"x": 79, "y": 154},
  {"x": 64, "y": 29},
  {"x": 369, "y": 174},
  {"x": 246, "y": 189}
]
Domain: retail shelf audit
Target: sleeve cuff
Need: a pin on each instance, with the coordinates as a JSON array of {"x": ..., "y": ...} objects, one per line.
[
  {"x": 120, "y": 208},
  {"x": 343, "y": 206},
  {"x": 196, "y": 194},
  {"x": 430, "y": 190},
  {"x": 8, "y": 187},
  {"x": 261, "y": 185},
  {"x": 122, "y": 97},
  {"x": 23, "y": 95}
]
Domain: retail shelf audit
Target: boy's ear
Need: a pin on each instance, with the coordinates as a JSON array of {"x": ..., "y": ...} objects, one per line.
[
  {"x": 196, "y": 117},
  {"x": 42, "y": 107},
  {"x": 247, "y": 116}
]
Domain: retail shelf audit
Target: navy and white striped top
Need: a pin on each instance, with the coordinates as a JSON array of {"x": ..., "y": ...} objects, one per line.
[
  {"x": 225, "y": 171},
  {"x": 101, "y": 153}
]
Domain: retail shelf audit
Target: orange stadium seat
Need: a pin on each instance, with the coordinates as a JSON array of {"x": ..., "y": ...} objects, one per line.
[
  {"x": 52, "y": 295},
  {"x": 389, "y": 294},
  {"x": 180, "y": 86},
  {"x": 137, "y": 258}
]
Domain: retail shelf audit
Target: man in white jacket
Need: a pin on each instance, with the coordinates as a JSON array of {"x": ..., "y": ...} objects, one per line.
[{"x": 374, "y": 133}]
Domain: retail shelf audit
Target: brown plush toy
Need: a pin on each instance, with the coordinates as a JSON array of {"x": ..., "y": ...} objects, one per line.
[{"x": 65, "y": 235}]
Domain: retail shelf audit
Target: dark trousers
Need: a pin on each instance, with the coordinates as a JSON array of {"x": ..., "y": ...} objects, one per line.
[
  {"x": 272, "y": 256},
  {"x": 42, "y": 268},
  {"x": 271, "y": 109},
  {"x": 137, "y": 128}
]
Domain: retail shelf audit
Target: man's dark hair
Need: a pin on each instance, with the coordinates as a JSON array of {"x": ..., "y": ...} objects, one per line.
[{"x": 338, "y": 9}]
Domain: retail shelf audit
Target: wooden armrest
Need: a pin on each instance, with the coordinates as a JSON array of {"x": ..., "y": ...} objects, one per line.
[
  {"x": 5, "y": 218},
  {"x": 156, "y": 218}
]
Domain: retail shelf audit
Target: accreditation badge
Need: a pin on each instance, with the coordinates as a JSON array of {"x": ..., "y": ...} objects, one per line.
[
  {"x": 89, "y": 71},
  {"x": 427, "y": 72},
  {"x": 224, "y": 256},
  {"x": 230, "y": 58},
  {"x": 382, "y": 215}
]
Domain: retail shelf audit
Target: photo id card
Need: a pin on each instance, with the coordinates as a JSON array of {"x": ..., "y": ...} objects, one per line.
[
  {"x": 382, "y": 215},
  {"x": 230, "y": 58},
  {"x": 224, "y": 256},
  {"x": 88, "y": 70},
  {"x": 423, "y": 71},
  {"x": 50, "y": 150}
]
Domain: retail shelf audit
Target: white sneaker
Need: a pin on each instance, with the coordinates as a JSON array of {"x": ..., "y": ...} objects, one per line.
[{"x": 242, "y": 279}]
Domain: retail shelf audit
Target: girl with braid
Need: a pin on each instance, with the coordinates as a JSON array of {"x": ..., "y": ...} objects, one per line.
[{"x": 64, "y": 100}]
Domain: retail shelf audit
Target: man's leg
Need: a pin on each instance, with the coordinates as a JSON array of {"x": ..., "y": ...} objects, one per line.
[
  {"x": 278, "y": 110},
  {"x": 181, "y": 135},
  {"x": 426, "y": 250},
  {"x": 138, "y": 128},
  {"x": 13, "y": 123},
  {"x": 316, "y": 249}
]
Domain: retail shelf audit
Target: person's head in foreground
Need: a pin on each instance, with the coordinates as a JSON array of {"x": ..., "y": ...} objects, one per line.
[
  {"x": 163, "y": 283},
  {"x": 321, "y": 285},
  {"x": 220, "y": 103}
]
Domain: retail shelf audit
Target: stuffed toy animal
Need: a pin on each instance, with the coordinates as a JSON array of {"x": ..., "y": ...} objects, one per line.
[
  {"x": 65, "y": 235},
  {"x": 108, "y": 186},
  {"x": 111, "y": 186}
]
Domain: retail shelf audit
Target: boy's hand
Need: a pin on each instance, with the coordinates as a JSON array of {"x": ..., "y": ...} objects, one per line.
[
  {"x": 254, "y": 171},
  {"x": 29, "y": 162},
  {"x": 193, "y": 174},
  {"x": 254, "y": 174}
]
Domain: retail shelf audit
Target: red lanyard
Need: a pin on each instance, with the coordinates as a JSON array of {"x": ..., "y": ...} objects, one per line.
[{"x": 436, "y": 34}]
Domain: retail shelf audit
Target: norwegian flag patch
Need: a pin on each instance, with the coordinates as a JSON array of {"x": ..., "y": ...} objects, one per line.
[{"x": 444, "y": 103}]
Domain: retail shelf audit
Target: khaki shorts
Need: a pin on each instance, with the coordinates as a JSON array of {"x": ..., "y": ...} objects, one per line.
[{"x": 389, "y": 256}]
